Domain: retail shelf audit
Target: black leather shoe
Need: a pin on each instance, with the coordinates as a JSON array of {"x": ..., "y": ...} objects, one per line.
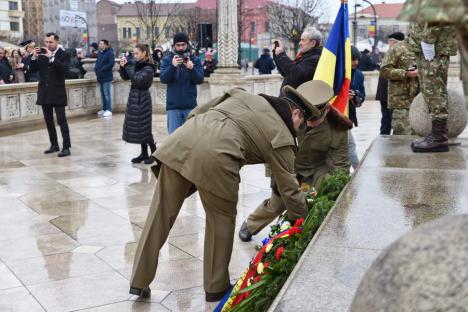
[
  {"x": 140, "y": 292},
  {"x": 64, "y": 153},
  {"x": 139, "y": 159},
  {"x": 52, "y": 149},
  {"x": 213, "y": 297},
  {"x": 244, "y": 233},
  {"x": 149, "y": 160}
]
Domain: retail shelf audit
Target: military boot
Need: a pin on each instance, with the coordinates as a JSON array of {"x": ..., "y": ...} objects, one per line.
[{"x": 436, "y": 141}]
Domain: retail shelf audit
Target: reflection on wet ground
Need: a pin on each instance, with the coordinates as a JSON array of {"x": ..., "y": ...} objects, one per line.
[{"x": 69, "y": 226}]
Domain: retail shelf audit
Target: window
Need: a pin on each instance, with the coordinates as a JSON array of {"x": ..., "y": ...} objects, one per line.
[
  {"x": 167, "y": 32},
  {"x": 252, "y": 27},
  {"x": 267, "y": 26},
  {"x": 14, "y": 26},
  {"x": 127, "y": 32},
  {"x": 138, "y": 34},
  {"x": 13, "y": 6},
  {"x": 156, "y": 32}
]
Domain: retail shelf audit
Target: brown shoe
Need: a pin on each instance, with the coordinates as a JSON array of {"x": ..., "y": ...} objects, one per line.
[{"x": 437, "y": 141}]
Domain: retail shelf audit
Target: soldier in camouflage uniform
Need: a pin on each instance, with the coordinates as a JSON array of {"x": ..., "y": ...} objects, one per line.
[
  {"x": 398, "y": 67},
  {"x": 443, "y": 12},
  {"x": 433, "y": 44}
]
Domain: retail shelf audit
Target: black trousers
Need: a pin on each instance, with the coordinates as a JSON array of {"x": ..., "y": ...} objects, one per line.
[
  {"x": 61, "y": 120},
  {"x": 386, "y": 121}
]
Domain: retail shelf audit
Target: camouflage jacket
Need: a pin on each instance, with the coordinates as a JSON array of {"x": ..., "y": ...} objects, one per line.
[
  {"x": 401, "y": 89},
  {"x": 435, "y": 11},
  {"x": 442, "y": 36}
]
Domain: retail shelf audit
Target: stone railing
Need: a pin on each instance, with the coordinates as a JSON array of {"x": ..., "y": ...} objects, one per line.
[{"x": 17, "y": 101}]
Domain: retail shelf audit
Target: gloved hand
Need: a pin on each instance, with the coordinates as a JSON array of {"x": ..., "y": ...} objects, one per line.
[{"x": 428, "y": 50}]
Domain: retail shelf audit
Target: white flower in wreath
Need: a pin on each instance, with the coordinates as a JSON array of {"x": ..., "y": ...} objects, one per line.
[
  {"x": 260, "y": 268},
  {"x": 286, "y": 225}
]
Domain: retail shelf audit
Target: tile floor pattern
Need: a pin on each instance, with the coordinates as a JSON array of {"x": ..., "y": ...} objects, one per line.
[{"x": 68, "y": 227}]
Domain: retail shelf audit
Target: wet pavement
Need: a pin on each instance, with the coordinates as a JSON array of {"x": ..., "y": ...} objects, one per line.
[
  {"x": 69, "y": 226},
  {"x": 393, "y": 192}
]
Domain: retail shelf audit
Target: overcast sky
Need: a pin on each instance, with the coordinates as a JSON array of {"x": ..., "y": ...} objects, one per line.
[{"x": 331, "y": 10}]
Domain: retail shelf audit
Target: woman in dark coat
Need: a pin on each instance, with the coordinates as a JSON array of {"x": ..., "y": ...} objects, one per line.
[{"x": 137, "y": 126}]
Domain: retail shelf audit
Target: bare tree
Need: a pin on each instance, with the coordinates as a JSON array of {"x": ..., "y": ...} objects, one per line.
[
  {"x": 190, "y": 18},
  {"x": 155, "y": 16},
  {"x": 289, "y": 18}
]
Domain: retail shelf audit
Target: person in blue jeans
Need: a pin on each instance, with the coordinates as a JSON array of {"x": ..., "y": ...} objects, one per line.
[
  {"x": 103, "y": 69},
  {"x": 181, "y": 71}
]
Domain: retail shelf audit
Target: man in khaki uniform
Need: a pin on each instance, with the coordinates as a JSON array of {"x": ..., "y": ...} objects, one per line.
[
  {"x": 207, "y": 152},
  {"x": 399, "y": 68},
  {"x": 323, "y": 148}
]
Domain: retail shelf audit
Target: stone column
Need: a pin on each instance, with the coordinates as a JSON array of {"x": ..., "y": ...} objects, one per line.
[
  {"x": 227, "y": 34},
  {"x": 227, "y": 75}
]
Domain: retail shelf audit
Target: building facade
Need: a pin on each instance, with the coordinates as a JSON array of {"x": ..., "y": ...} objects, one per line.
[
  {"x": 107, "y": 22},
  {"x": 43, "y": 16},
  {"x": 11, "y": 21}
]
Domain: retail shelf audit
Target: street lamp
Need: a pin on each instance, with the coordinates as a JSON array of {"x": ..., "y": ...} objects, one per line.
[
  {"x": 375, "y": 24},
  {"x": 87, "y": 32},
  {"x": 355, "y": 24}
]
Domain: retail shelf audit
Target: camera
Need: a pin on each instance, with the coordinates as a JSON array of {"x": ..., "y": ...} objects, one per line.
[{"x": 43, "y": 50}]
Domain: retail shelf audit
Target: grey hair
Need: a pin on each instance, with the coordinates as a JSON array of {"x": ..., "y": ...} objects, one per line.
[
  {"x": 2, "y": 48},
  {"x": 314, "y": 34}
]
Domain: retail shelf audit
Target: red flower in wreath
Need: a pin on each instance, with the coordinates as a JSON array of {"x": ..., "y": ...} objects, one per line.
[
  {"x": 257, "y": 278},
  {"x": 294, "y": 230},
  {"x": 299, "y": 222},
  {"x": 279, "y": 252}
]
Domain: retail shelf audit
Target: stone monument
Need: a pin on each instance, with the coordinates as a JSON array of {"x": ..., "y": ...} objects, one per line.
[
  {"x": 227, "y": 76},
  {"x": 424, "y": 270},
  {"x": 421, "y": 122}
]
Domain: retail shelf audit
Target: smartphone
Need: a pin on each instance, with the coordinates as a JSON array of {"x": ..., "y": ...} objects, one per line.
[
  {"x": 43, "y": 50},
  {"x": 276, "y": 43}
]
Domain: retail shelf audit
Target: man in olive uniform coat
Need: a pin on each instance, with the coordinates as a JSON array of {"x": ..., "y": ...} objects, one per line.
[
  {"x": 323, "y": 148},
  {"x": 207, "y": 152},
  {"x": 399, "y": 68},
  {"x": 433, "y": 44}
]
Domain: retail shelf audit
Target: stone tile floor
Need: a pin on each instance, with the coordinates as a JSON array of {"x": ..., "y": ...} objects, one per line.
[{"x": 68, "y": 227}]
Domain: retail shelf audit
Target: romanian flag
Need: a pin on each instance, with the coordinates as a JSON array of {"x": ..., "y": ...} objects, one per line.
[{"x": 334, "y": 66}]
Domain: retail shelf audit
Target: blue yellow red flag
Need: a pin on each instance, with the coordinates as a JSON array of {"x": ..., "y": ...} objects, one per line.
[{"x": 334, "y": 66}]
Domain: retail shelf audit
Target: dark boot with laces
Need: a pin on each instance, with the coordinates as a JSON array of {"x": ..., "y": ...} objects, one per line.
[{"x": 435, "y": 142}]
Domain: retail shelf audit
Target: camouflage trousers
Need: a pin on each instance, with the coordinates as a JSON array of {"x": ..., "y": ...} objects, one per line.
[
  {"x": 400, "y": 122},
  {"x": 433, "y": 80}
]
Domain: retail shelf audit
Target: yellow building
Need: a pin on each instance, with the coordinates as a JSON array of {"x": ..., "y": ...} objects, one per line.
[{"x": 156, "y": 25}]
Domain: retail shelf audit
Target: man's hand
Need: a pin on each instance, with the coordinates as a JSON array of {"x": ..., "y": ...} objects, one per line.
[
  {"x": 176, "y": 60},
  {"x": 352, "y": 94},
  {"x": 123, "y": 61},
  {"x": 412, "y": 73},
  {"x": 278, "y": 50},
  {"x": 11, "y": 77},
  {"x": 2, "y": 82},
  {"x": 189, "y": 64},
  {"x": 36, "y": 52}
]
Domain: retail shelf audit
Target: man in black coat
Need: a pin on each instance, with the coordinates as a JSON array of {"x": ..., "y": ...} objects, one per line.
[
  {"x": 52, "y": 65},
  {"x": 302, "y": 69},
  {"x": 265, "y": 63},
  {"x": 382, "y": 96}
]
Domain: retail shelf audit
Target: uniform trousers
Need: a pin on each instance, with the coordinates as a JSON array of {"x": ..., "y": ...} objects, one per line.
[
  {"x": 48, "y": 111},
  {"x": 171, "y": 190}
]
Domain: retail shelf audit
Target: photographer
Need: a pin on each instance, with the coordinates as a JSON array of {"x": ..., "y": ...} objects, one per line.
[{"x": 181, "y": 71}]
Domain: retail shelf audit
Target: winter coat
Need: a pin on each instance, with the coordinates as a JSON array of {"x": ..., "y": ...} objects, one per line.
[
  {"x": 223, "y": 135},
  {"x": 138, "y": 116},
  {"x": 104, "y": 64},
  {"x": 74, "y": 68},
  {"x": 5, "y": 70},
  {"x": 382, "y": 90},
  {"x": 300, "y": 70},
  {"x": 51, "y": 89},
  {"x": 357, "y": 84},
  {"x": 366, "y": 63},
  {"x": 181, "y": 82},
  {"x": 30, "y": 76},
  {"x": 265, "y": 64}
]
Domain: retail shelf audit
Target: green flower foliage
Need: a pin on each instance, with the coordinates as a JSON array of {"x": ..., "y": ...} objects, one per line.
[{"x": 264, "y": 292}]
